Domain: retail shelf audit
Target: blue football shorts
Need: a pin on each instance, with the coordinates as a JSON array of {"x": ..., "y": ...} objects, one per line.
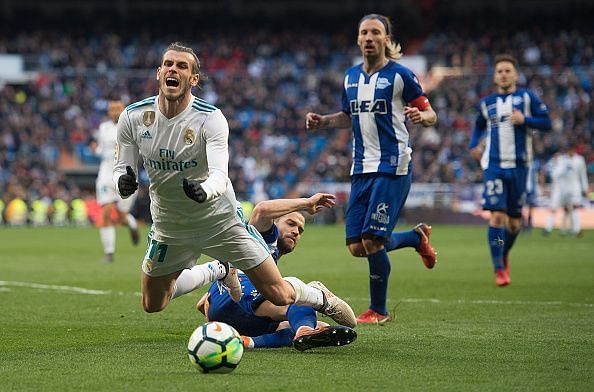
[
  {"x": 375, "y": 203},
  {"x": 505, "y": 190}
]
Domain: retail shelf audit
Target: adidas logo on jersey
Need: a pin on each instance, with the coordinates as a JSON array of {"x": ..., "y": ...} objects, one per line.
[{"x": 146, "y": 135}]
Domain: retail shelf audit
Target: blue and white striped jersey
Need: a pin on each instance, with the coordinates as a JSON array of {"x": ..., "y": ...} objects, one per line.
[
  {"x": 375, "y": 104},
  {"x": 508, "y": 146}
]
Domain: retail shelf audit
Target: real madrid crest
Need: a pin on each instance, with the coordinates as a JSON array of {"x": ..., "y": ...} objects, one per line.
[
  {"x": 148, "y": 118},
  {"x": 189, "y": 137}
]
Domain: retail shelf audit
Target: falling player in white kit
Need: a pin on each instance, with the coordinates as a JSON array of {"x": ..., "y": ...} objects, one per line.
[
  {"x": 183, "y": 141},
  {"x": 569, "y": 186},
  {"x": 104, "y": 145}
]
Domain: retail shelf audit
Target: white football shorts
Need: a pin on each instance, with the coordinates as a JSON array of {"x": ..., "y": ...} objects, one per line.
[
  {"x": 240, "y": 245},
  {"x": 561, "y": 198}
]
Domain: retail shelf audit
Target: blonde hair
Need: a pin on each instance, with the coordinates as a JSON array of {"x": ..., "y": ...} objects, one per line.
[{"x": 393, "y": 49}]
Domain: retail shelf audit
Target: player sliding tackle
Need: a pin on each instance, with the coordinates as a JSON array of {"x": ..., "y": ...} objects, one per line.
[
  {"x": 262, "y": 323},
  {"x": 183, "y": 141}
]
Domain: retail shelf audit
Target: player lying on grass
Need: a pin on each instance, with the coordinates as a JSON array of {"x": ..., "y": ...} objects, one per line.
[{"x": 281, "y": 226}]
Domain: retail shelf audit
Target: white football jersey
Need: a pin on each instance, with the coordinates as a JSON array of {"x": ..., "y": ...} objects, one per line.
[
  {"x": 568, "y": 173},
  {"x": 174, "y": 149},
  {"x": 106, "y": 140}
]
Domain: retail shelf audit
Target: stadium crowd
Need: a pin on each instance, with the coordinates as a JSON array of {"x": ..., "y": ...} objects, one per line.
[
  {"x": 559, "y": 67},
  {"x": 265, "y": 82}
]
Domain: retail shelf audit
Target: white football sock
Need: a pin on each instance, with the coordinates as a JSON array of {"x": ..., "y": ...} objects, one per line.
[
  {"x": 198, "y": 276},
  {"x": 305, "y": 294},
  {"x": 108, "y": 239},
  {"x": 576, "y": 221},
  {"x": 550, "y": 222},
  {"x": 132, "y": 224}
]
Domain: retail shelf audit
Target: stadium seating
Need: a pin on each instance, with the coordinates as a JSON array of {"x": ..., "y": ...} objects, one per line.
[{"x": 265, "y": 86}]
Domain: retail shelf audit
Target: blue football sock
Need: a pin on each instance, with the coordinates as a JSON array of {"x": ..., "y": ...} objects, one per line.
[
  {"x": 496, "y": 237},
  {"x": 510, "y": 239},
  {"x": 280, "y": 338},
  {"x": 379, "y": 272},
  {"x": 403, "y": 239},
  {"x": 300, "y": 316}
]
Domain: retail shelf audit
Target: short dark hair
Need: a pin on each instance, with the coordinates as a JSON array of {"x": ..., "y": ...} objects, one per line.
[
  {"x": 114, "y": 97},
  {"x": 506, "y": 57},
  {"x": 181, "y": 47}
]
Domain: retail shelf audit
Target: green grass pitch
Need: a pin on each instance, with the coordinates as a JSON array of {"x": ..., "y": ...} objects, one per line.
[{"x": 454, "y": 329}]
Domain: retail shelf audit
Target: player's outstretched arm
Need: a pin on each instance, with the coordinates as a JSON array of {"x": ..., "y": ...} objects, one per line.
[
  {"x": 266, "y": 211},
  {"x": 335, "y": 120}
]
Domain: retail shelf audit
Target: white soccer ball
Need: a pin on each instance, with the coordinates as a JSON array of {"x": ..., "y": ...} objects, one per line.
[{"x": 215, "y": 348}]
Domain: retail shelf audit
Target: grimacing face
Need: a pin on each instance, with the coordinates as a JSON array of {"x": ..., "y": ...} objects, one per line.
[
  {"x": 505, "y": 76},
  {"x": 372, "y": 38},
  {"x": 290, "y": 228},
  {"x": 175, "y": 75}
]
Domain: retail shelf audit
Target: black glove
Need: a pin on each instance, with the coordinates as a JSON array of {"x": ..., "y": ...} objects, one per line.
[
  {"x": 194, "y": 191},
  {"x": 127, "y": 182}
]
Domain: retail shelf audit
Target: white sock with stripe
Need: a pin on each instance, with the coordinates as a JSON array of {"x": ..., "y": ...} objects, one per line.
[
  {"x": 198, "y": 276},
  {"x": 305, "y": 294}
]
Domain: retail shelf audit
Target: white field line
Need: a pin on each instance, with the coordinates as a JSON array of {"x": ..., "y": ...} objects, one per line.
[{"x": 5, "y": 286}]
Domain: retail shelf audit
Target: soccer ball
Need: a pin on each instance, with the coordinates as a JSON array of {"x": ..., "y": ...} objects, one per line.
[{"x": 215, "y": 348}]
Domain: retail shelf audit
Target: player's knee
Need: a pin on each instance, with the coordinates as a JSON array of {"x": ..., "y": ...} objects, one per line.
[
  {"x": 515, "y": 225},
  {"x": 357, "y": 249},
  {"x": 152, "y": 306},
  {"x": 372, "y": 245},
  {"x": 497, "y": 219}
]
